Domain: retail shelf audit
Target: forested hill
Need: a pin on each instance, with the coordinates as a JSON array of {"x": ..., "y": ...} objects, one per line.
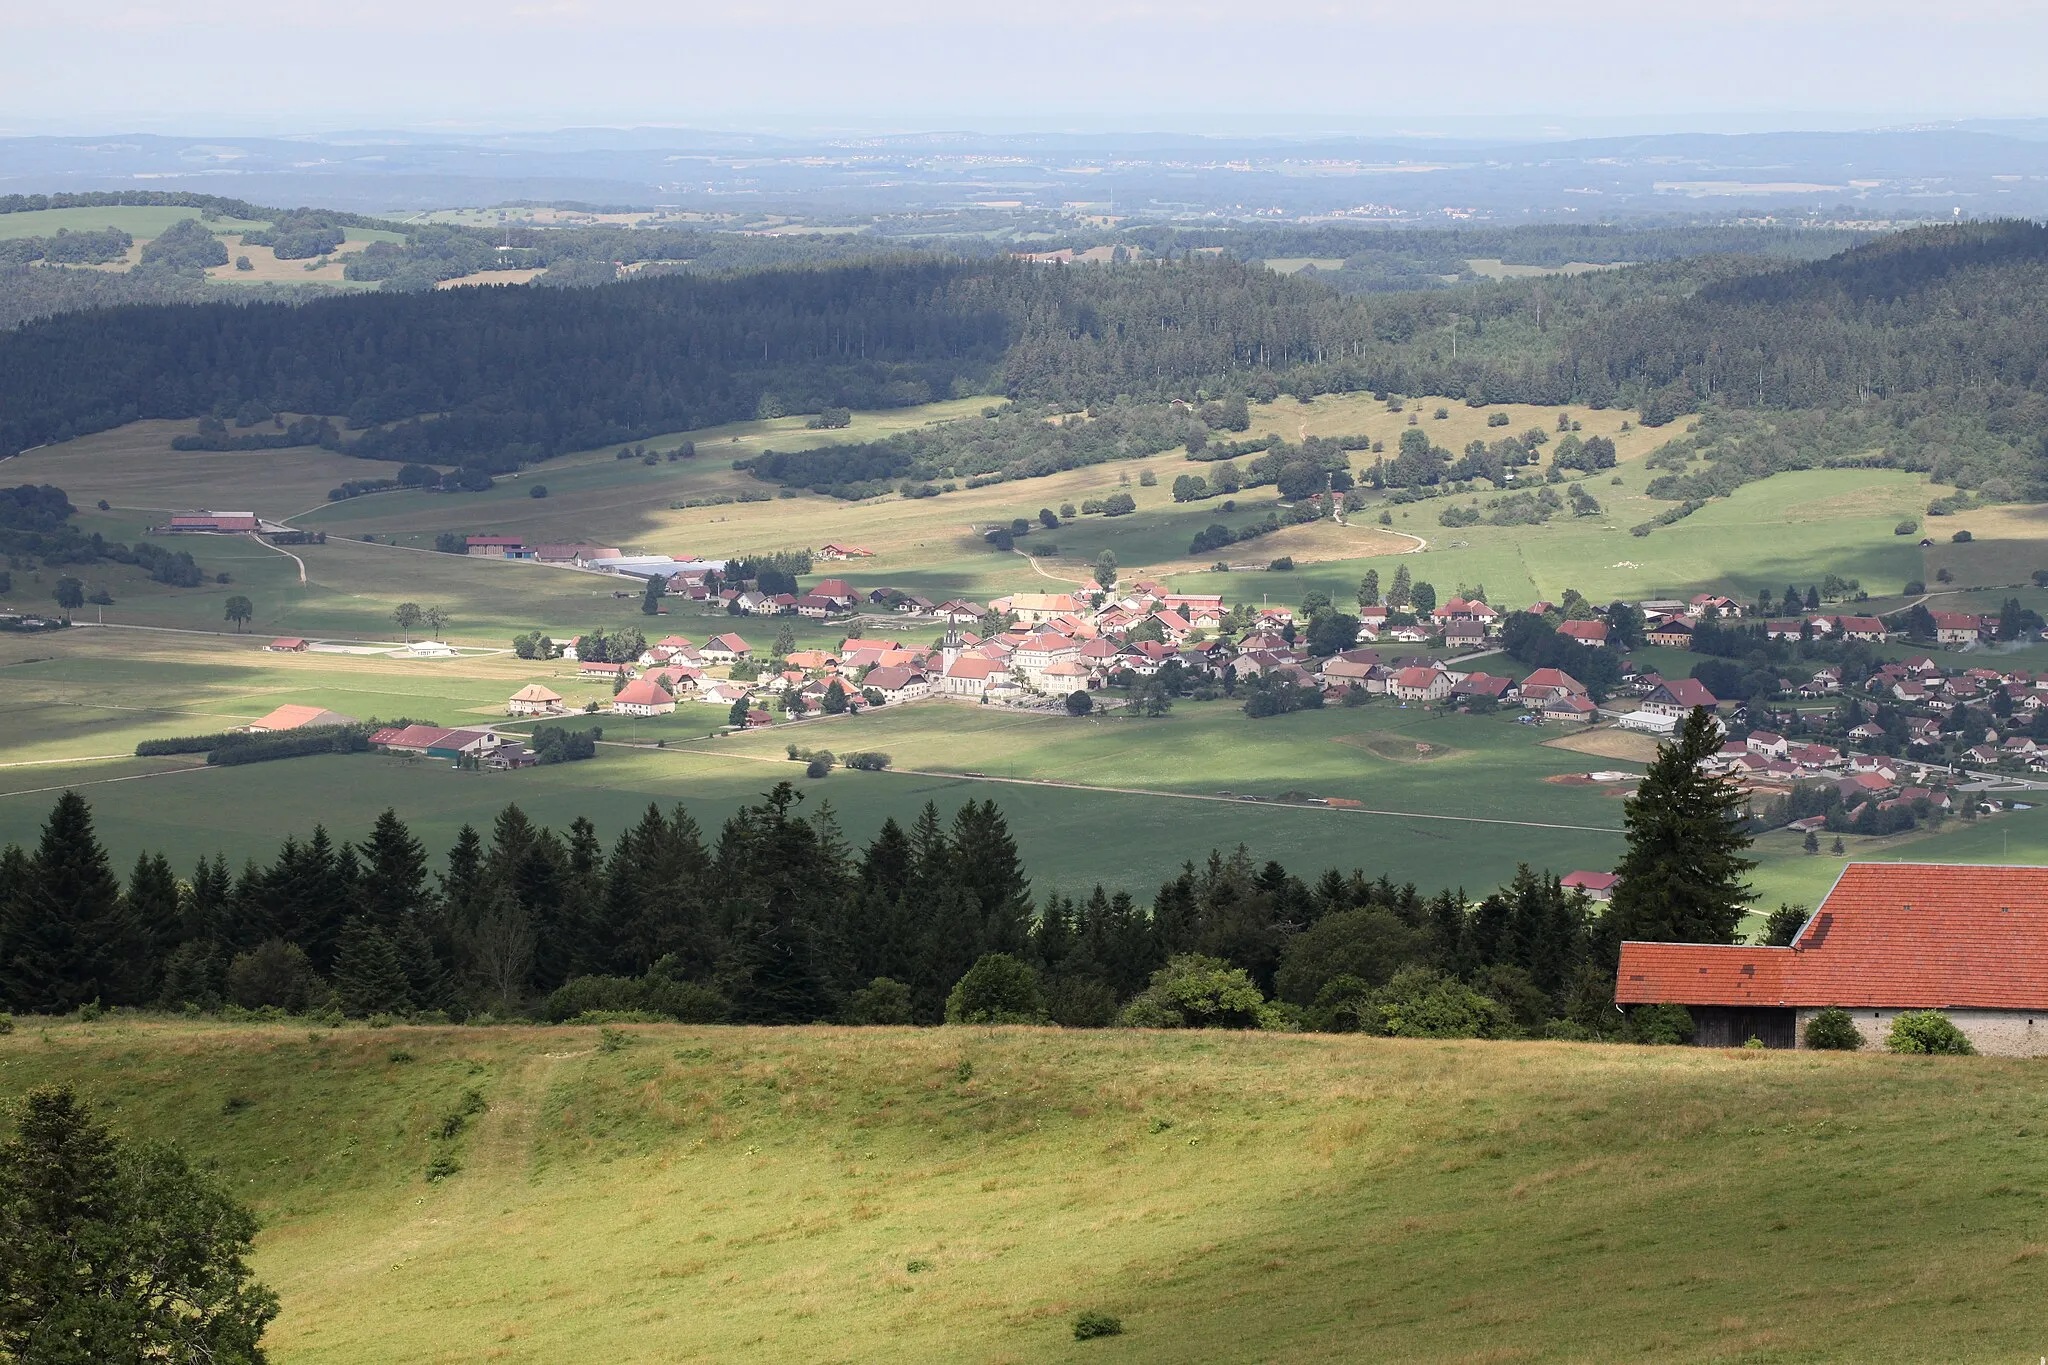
[
  {"x": 523, "y": 373},
  {"x": 1951, "y": 320},
  {"x": 1953, "y": 317}
]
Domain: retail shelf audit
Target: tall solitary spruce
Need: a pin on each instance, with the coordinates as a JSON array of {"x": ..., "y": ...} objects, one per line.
[{"x": 1682, "y": 877}]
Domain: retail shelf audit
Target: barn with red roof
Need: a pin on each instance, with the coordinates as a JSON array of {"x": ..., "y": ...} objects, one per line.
[{"x": 1971, "y": 942}]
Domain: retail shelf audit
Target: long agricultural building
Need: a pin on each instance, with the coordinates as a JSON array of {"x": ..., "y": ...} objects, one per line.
[{"x": 1971, "y": 942}]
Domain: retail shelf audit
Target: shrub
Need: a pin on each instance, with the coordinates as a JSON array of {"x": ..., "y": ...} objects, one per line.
[
  {"x": 1906, "y": 528},
  {"x": 1079, "y": 703},
  {"x": 997, "y": 989},
  {"x": 868, "y": 761},
  {"x": 1961, "y": 538},
  {"x": 1660, "y": 1025},
  {"x": 881, "y": 1001},
  {"x": 1284, "y": 564},
  {"x": 1421, "y": 1003},
  {"x": 1927, "y": 1031},
  {"x": 441, "y": 1167},
  {"x": 659, "y": 994},
  {"x": 1832, "y": 1030},
  {"x": 1193, "y": 991},
  {"x": 539, "y": 490},
  {"x": 6, "y": 1023},
  {"x": 274, "y": 973},
  {"x": 1915, "y": 588},
  {"x": 1091, "y": 1325},
  {"x": 817, "y": 767}
]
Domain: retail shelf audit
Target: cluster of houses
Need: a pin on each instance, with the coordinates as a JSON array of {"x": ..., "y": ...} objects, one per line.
[
  {"x": 1766, "y": 763},
  {"x": 1671, "y": 624},
  {"x": 1928, "y": 698}
]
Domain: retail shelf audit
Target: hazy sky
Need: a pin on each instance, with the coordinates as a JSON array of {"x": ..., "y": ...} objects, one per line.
[{"x": 272, "y": 65}]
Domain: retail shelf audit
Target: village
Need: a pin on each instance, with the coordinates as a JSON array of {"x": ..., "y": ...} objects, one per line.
[{"x": 1860, "y": 744}]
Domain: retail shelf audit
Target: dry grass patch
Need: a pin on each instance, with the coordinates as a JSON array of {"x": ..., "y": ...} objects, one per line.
[{"x": 1626, "y": 745}]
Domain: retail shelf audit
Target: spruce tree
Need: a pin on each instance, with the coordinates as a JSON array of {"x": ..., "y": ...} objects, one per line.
[
  {"x": 885, "y": 866},
  {"x": 70, "y": 936},
  {"x": 1175, "y": 914},
  {"x": 992, "y": 872},
  {"x": 367, "y": 975},
  {"x": 1682, "y": 876},
  {"x": 394, "y": 879},
  {"x": 153, "y": 902}
]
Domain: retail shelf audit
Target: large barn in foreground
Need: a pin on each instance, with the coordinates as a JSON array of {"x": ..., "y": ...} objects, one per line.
[{"x": 1971, "y": 942}]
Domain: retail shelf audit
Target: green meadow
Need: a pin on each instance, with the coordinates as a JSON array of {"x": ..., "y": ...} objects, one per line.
[
  {"x": 73, "y": 699},
  {"x": 818, "y": 1194}
]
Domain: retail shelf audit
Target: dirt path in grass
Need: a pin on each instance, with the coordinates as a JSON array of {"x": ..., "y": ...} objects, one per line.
[
  {"x": 502, "y": 1146},
  {"x": 1041, "y": 571},
  {"x": 286, "y": 553}
]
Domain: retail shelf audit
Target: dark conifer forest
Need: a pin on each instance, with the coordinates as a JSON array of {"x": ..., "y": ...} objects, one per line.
[
  {"x": 1950, "y": 318},
  {"x": 773, "y": 919}
]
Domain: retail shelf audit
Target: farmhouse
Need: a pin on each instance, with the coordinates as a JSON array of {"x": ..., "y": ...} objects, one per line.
[
  {"x": 1420, "y": 684},
  {"x": 1484, "y": 685},
  {"x": 643, "y": 697},
  {"x": 897, "y": 684},
  {"x": 468, "y": 743},
  {"x": 1969, "y": 941},
  {"x": 494, "y": 547},
  {"x": 534, "y": 700},
  {"x": 592, "y": 669},
  {"x": 1677, "y": 697},
  {"x": 1868, "y": 628},
  {"x": 410, "y": 739},
  {"x": 1597, "y": 886},
  {"x": 726, "y": 649},
  {"x": 834, "y": 550},
  {"x": 1675, "y": 633},
  {"x": 1591, "y": 634},
  {"x": 219, "y": 523},
  {"x": 575, "y": 555},
  {"x": 1031, "y": 608},
  {"x": 1961, "y": 628},
  {"x": 286, "y": 644},
  {"x": 1546, "y": 683},
  {"x": 296, "y": 717}
]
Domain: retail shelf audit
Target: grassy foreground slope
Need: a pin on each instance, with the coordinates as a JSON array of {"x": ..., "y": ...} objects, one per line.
[{"x": 726, "y": 1194}]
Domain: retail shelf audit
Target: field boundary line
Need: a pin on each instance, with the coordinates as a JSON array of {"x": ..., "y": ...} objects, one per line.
[
  {"x": 51, "y": 762},
  {"x": 1150, "y": 791},
  {"x": 103, "y": 781}
]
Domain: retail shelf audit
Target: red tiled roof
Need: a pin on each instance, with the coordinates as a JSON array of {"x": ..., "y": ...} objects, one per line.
[
  {"x": 1888, "y": 936},
  {"x": 1589, "y": 881},
  {"x": 643, "y": 692}
]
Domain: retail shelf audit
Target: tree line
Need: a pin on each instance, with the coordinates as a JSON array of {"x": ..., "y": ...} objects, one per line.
[{"x": 778, "y": 919}]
